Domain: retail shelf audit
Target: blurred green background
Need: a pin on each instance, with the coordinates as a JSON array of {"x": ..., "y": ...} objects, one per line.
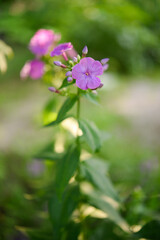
[{"x": 126, "y": 31}]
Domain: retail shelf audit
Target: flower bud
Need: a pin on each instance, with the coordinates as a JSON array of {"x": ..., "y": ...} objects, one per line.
[
  {"x": 104, "y": 61},
  {"x": 101, "y": 85},
  {"x": 94, "y": 91},
  {"x": 78, "y": 57},
  {"x": 71, "y": 63},
  {"x": 53, "y": 89},
  {"x": 68, "y": 74},
  {"x": 69, "y": 79},
  {"x": 59, "y": 64},
  {"x": 105, "y": 67},
  {"x": 75, "y": 59},
  {"x": 85, "y": 51}
]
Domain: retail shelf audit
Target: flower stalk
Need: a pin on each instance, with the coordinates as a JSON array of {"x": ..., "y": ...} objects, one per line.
[
  {"x": 67, "y": 195},
  {"x": 78, "y": 116}
]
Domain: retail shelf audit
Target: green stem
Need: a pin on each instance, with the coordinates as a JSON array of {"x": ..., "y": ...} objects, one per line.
[
  {"x": 78, "y": 115},
  {"x": 81, "y": 218},
  {"x": 78, "y": 146}
]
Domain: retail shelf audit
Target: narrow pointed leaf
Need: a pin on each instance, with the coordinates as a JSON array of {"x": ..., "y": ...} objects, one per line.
[
  {"x": 67, "y": 105},
  {"x": 94, "y": 171},
  {"x": 61, "y": 209},
  {"x": 95, "y": 199},
  {"x": 91, "y": 134},
  {"x": 66, "y": 168},
  {"x": 49, "y": 156},
  {"x": 93, "y": 98},
  {"x": 65, "y": 83},
  {"x": 48, "y": 153}
]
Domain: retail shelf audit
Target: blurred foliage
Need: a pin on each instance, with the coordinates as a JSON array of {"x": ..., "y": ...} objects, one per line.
[
  {"x": 126, "y": 31},
  {"x": 5, "y": 51},
  {"x": 22, "y": 187}
]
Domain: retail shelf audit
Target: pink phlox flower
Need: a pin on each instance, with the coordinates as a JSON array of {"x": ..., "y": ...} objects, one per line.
[
  {"x": 42, "y": 41},
  {"x": 86, "y": 72},
  {"x": 25, "y": 70},
  {"x": 72, "y": 53},
  {"x": 61, "y": 49},
  {"x": 33, "y": 69}
]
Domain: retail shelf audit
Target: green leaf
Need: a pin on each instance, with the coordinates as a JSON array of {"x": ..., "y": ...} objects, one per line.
[
  {"x": 150, "y": 231},
  {"x": 50, "y": 105},
  {"x": 94, "y": 170},
  {"x": 35, "y": 235},
  {"x": 49, "y": 156},
  {"x": 67, "y": 105},
  {"x": 91, "y": 134},
  {"x": 70, "y": 202},
  {"x": 61, "y": 209},
  {"x": 57, "y": 121},
  {"x": 93, "y": 98},
  {"x": 66, "y": 168},
  {"x": 65, "y": 83},
  {"x": 97, "y": 201},
  {"x": 73, "y": 231},
  {"x": 48, "y": 153}
]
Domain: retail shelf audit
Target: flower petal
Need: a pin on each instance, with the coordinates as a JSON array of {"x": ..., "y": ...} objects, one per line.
[
  {"x": 96, "y": 68},
  {"x": 79, "y": 70},
  {"x": 42, "y": 41},
  {"x": 37, "y": 69},
  {"x": 61, "y": 48},
  {"x": 93, "y": 82},
  {"x": 82, "y": 82}
]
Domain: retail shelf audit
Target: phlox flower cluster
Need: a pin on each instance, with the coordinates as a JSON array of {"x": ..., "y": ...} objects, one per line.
[{"x": 85, "y": 71}]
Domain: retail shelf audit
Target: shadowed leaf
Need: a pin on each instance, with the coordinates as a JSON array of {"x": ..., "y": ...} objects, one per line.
[
  {"x": 67, "y": 105},
  {"x": 94, "y": 170},
  {"x": 66, "y": 168}
]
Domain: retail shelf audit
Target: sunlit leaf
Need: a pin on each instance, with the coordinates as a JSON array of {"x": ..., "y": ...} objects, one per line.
[
  {"x": 50, "y": 105},
  {"x": 95, "y": 199},
  {"x": 48, "y": 113},
  {"x": 3, "y": 63},
  {"x": 151, "y": 231},
  {"x": 5, "y": 50}
]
